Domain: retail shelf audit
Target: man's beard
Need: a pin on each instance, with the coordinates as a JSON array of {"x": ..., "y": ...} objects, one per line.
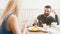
[{"x": 46, "y": 14}]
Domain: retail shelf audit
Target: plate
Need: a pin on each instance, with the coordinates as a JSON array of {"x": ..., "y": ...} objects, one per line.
[{"x": 37, "y": 30}]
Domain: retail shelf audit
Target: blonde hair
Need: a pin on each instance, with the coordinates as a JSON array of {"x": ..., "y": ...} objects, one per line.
[{"x": 10, "y": 7}]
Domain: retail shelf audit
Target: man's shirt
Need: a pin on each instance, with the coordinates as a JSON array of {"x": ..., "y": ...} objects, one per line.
[{"x": 48, "y": 20}]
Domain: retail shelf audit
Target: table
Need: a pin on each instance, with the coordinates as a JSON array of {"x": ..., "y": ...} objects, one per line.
[
  {"x": 52, "y": 30},
  {"x": 37, "y": 33}
]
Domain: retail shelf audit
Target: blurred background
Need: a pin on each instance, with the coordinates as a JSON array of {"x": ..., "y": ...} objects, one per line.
[{"x": 30, "y": 9}]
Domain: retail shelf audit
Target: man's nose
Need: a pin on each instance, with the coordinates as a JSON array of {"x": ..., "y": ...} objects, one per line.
[{"x": 46, "y": 12}]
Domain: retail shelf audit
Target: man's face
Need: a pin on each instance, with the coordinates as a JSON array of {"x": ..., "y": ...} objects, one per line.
[{"x": 47, "y": 11}]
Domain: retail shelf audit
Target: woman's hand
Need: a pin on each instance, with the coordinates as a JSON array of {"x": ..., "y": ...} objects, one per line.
[
  {"x": 26, "y": 23},
  {"x": 25, "y": 27}
]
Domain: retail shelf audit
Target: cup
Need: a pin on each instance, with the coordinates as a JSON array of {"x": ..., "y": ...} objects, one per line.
[
  {"x": 54, "y": 23},
  {"x": 45, "y": 27}
]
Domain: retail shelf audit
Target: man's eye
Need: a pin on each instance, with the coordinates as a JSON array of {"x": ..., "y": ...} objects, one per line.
[{"x": 47, "y": 11}]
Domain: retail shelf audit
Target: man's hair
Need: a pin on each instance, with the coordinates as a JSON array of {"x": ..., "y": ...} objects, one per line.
[{"x": 48, "y": 6}]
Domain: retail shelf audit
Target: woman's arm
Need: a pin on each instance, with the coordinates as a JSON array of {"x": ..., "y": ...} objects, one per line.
[
  {"x": 14, "y": 24},
  {"x": 25, "y": 27}
]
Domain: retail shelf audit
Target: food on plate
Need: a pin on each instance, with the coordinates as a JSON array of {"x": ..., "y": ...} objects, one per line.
[{"x": 34, "y": 28}]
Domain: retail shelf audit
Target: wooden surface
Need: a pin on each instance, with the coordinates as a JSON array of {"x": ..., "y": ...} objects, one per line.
[{"x": 37, "y": 33}]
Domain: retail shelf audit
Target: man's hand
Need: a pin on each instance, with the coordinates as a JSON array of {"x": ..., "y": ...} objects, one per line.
[
  {"x": 53, "y": 11},
  {"x": 35, "y": 21},
  {"x": 43, "y": 24}
]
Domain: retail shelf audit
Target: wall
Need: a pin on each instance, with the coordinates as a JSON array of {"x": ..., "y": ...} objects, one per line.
[{"x": 30, "y": 9}]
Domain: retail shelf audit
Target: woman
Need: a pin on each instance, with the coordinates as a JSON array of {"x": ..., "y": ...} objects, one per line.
[{"x": 9, "y": 20}]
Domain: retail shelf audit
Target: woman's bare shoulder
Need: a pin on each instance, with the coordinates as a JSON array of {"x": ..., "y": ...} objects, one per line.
[{"x": 12, "y": 18}]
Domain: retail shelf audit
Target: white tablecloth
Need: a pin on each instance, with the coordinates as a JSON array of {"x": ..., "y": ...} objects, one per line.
[{"x": 54, "y": 30}]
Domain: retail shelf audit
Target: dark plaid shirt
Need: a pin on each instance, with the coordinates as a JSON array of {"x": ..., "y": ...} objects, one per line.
[{"x": 48, "y": 20}]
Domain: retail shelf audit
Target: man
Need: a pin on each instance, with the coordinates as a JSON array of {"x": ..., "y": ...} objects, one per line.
[{"x": 46, "y": 18}]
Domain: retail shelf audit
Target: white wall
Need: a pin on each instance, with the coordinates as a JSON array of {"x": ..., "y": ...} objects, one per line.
[
  {"x": 39, "y": 4},
  {"x": 3, "y": 4},
  {"x": 30, "y": 9},
  {"x": 31, "y": 14}
]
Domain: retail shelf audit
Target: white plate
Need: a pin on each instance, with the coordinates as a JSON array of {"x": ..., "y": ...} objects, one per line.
[
  {"x": 39, "y": 29},
  {"x": 30, "y": 29}
]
